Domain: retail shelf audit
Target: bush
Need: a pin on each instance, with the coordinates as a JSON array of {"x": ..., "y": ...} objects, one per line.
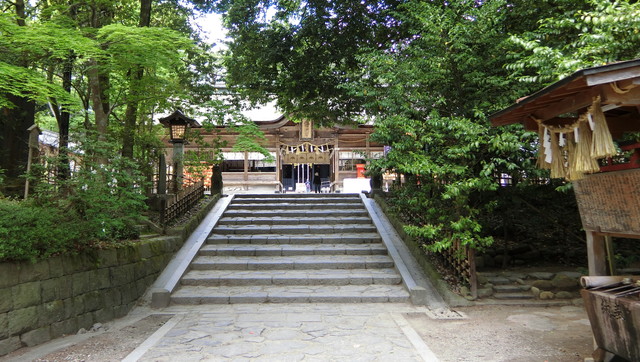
[{"x": 31, "y": 232}]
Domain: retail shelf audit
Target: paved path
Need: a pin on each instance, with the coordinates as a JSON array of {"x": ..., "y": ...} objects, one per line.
[{"x": 287, "y": 332}]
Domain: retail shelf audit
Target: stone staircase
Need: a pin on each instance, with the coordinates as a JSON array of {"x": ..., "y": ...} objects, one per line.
[{"x": 285, "y": 248}]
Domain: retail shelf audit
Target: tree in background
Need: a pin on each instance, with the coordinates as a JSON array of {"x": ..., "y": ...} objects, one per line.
[
  {"x": 427, "y": 74},
  {"x": 103, "y": 70},
  {"x": 596, "y": 34}
]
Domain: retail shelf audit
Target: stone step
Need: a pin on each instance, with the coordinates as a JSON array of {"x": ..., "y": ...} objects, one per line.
[
  {"x": 291, "y": 262},
  {"x": 292, "y": 229},
  {"x": 291, "y": 294},
  {"x": 291, "y": 277},
  {"x": 496, "y": 280},
  {"x": 291, "y": 220},
  {"x": 512, "y": 296},
  {"x": 296, "y": 213},
  {"x": 291, "y": 249},
  {"x": 298, "y": 200},
  {"x": 512, "y": 288},
  {"x": 336, "y": 238},
  {"x": 297, "y": 196},
  {"x": 295, "y": 206}
]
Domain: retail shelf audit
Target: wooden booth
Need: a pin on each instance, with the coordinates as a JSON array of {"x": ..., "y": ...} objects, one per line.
[
  {"x": 300, "y": 153},
  {"x": 585, "y": 123}
]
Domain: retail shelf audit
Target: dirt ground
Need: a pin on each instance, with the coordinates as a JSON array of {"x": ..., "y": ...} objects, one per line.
[
  {"x": 506, "y": 333},
  {"x": 108, "y": 344},
  {"x": 488, "y": 333}
]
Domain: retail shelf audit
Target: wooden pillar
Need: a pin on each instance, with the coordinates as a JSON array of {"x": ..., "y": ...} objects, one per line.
[
  {"x": 245, "y": 175},
  {"x": 596, "y": 253},
  {"x": 336, "y": 157},
  {"x": 278, "y": 160},
  {"x": 162, "y": 175},
  {"x": 367, "y": 150}
]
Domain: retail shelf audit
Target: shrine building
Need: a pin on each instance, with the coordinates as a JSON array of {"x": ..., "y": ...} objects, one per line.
[{"x": 300, "y": 153}]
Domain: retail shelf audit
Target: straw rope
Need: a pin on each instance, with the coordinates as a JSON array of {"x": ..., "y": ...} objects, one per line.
[{"x": 572, "y": 150}]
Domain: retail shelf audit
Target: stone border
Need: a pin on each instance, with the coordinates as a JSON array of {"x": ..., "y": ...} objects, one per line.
[{"x": 170, "y": 277}]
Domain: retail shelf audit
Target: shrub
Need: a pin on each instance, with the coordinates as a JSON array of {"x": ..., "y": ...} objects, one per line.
[{"x": 31, "y": 232}]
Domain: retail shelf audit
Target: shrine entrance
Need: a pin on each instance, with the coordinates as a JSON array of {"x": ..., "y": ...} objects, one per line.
[{"x": 303, "y": 164}]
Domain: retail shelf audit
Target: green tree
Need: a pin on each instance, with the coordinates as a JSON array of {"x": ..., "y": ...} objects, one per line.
[{"x": 599, "y": 33}]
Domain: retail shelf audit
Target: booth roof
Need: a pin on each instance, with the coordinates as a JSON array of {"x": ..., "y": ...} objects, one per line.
[{"x": 569, "y": 94}]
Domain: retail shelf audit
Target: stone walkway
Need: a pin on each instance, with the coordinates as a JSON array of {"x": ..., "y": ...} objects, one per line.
[{"x": 295, "y": 332}]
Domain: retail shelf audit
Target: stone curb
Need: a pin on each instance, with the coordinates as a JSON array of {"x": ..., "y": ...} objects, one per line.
[{"x": 168, "y": 280}]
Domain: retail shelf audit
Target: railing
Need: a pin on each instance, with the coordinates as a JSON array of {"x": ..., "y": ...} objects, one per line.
[{"x": 171, "y": 209}]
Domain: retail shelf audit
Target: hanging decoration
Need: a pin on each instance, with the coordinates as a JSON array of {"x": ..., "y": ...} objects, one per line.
[
  {"x": 306, "y": 153},
  {"x": 572, "y": 150}
]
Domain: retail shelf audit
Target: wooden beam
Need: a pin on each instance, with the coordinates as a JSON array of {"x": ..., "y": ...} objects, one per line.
[
  {"x": 567, "y": 105},
  {"x": 596, "y": 254},
  {"x": 612, "y": 76},
  {"x": 630, "y": 98},
  {"x": 560, "y": 121},
  {"x": 628, "y": 83}
]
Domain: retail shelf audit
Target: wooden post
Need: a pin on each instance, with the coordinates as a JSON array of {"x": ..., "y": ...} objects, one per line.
[
  {"x": 162, "y": 175},
  {"x": 278, "y": 160},
  {"x": 245, "y": 176},
  {"x": 596, "y": 253},
  {"x": 34, "y": 145},
  {"x": 178, "y": 162},
  {"x": 473, "y": 277}
]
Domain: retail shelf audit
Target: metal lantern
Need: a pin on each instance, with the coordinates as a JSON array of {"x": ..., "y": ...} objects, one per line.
[{"x": 178, "y": 123}]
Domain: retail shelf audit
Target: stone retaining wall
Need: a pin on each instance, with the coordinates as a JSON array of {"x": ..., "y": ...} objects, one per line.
[{"x": 60, "y": 295}]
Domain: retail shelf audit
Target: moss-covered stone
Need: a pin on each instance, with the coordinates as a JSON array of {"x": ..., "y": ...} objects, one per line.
[
  {"x": 22, "y": 320},
  {"x": 10, "y": 274},
  {"x": 85, "y": 321},
  {"x": 26, "y": 294},
  {"x": 36, "y": 336},
  {"x": 144, "y": 249},
  {"x": 70, "y": 309},
  {"x": 9, "y": 345},
  {"x": 121, "y": 275},
  {"x": 56, "y": 269},
  {"x": 51, "y": 312},
  {"x": 4, "y": 325},
  {"x": 108, "y": 258},
  {"x": 92, "y": 301},
  {"x": 6, "y": 300},
  {"x": 56, "y": 288},
  {"x": 564, "y": 282},
  {"x": 32, "y": 272},
  {"x": 104, "y": 315},
  {"x": 65, "y": 327},
  {"x": 543, "y": 284}
]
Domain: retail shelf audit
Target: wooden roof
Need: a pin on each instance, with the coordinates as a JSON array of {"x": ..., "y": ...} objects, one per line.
[{"x": 617, "y": 84}]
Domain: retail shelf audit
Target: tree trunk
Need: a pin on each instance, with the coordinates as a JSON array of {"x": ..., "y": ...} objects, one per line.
[
  {"x": 14, "y": 138},
  {"x": 64, "y": 170},
  {"x": 131, "y": 113},
  {"x": 101, "y": 116},
  {"x": 14, "y": 142}
]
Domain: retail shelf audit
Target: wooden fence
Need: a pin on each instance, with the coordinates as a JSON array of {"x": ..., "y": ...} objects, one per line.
[{"x": 177, "y": 206}]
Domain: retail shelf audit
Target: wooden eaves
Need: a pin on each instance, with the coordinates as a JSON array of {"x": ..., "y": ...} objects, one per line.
[{"x": 560, "y": 103}]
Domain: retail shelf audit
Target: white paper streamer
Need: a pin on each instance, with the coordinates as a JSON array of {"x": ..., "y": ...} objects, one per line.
[
  {"x": 547, "y": 146},
  {"x": 592, "y": 124},
  {"x": 576, "y": 134},
  {"x": 561, "y": 140}
]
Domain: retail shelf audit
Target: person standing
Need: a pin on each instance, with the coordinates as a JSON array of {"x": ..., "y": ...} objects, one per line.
[{"x": 316, "y": 182}]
